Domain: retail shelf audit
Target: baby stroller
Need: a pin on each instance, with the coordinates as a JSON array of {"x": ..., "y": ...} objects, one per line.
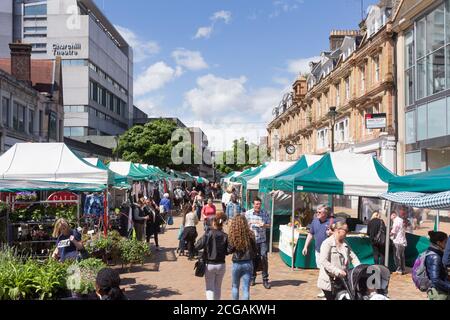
[{"x": 362, "y": 281}]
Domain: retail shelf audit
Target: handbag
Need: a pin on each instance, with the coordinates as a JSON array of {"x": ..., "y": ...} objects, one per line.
[{"x": 200, "y": 265}]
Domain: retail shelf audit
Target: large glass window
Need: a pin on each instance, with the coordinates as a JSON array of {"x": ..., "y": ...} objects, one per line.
[
  {"x": 410, "y": 86},
  {"x": 420, "y": 38},
  {"x": 435, "y": 29},
  {"x": 421, "y": 79},
  {"x": 422, "y": 123},
  {"x": 411, "y": 127},
  {"x": 413, "y": 162},
  {"x": 437, "y": 119},
  {"x": 436, "y": 72},
  {"x": 35, "y": 10}
]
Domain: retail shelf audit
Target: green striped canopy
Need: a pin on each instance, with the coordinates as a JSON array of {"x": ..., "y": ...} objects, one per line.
[
  {"x": 276, "y": 183},
  {"x": 120, "y": 182},
  {"x": 128, "y": 169},
  {"x": 433, "y": 181},
  {"x": 342, "y": 173}
]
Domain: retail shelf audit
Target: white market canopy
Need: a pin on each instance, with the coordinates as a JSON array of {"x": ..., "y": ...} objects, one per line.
[
  {"x": 343, "y": 173},
  {"x": 53, "y": 162},
  {"x": 127, "y": 169},
  {"x": 272, "y": 169},
  {"x": 234, "y": 174}
]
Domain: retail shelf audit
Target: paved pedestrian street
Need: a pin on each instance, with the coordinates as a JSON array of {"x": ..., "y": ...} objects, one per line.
[{"x": 167, "y": 276}]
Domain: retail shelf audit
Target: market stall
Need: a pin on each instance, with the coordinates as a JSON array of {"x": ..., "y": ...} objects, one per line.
[
  {"x": 242, "y": 181},
  {"x": 340, "y": 173},
  {"x": 31, "y": 167}
]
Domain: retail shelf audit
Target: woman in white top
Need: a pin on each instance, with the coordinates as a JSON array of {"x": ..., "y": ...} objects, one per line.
[
  {"x": 226, "y": 198},
  {"x": 190, "y": 230}
]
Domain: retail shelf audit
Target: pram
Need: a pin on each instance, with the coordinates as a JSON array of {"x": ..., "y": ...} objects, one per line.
[{"x": 362, "y": 281}]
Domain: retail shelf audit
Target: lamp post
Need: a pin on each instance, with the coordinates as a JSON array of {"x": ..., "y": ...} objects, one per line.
[{"x": 332, "y": 114}]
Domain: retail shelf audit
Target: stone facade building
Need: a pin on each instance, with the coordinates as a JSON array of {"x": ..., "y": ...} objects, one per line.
[
  {"x": 356, "y": 76},
  {"x": 31, "y": 99}
]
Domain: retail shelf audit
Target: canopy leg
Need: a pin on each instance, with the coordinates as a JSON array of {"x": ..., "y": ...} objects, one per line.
[
  {"x": 388, "y": 233},
  {"x": 293, "y": 227},
  {"x": 271, "y": 224}
]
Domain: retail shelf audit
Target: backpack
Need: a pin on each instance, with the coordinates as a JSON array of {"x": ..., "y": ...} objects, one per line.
[{"x": 419, "y": 272}]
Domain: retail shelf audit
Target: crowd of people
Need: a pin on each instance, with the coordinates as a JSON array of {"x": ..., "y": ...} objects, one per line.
[{"x": 243, "y": 235}]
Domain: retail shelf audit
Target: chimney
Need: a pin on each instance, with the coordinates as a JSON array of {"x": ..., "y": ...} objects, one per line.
[
  {"x": 338, "y": 36},
  {"x": 21, "y": 61}
]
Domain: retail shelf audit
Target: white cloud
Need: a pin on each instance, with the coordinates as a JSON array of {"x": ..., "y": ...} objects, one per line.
[
  {"x": 142, "y": 49},
  {"x": 191, "y": 60},
  {"x": 226, "y": 109},
  {"x": 222, "y": 15},
  {"x": 301, "y": 65},
  {"x": 214, "y": 95},
  {"x": 284, "y": 6},
  {"x": 155, "y": 77},
  {"x": 206, "y": 32}
]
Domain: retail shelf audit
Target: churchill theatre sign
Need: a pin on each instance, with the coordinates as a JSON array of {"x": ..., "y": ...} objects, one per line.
[{"x": 68, "y": 50}]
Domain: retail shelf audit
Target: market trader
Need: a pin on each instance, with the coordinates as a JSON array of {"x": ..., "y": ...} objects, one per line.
[
  {"x": 320, "y": 231},
  {"x": 259, "y": 222}
]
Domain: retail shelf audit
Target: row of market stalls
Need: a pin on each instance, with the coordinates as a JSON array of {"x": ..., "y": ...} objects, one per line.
[
  {"x": 52, "y": 167},
  {"x": 290, "y": 191}
]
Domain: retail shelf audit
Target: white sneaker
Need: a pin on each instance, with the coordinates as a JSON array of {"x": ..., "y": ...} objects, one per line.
[{"x": 321, "y": 295}]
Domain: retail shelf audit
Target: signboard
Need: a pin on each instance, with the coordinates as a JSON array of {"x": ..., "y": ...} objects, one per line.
[
  {"x": 66, "y": 49},
  {"x": 285, "y": 244},
  {"x": 63, "y": 196},
  {"x": 376, "y": 121}
]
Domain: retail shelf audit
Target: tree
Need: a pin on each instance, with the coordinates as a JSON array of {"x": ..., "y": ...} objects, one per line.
[
  {"x": 242, "y": 156},
  {"x": 151, "y": 144}
]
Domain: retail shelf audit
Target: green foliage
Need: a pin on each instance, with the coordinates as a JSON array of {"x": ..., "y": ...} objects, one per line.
[
  {"x": 133, "y": 251},
  {"x": 253, "y": 156},
  {"x": 38, "y": 213},
  {"x": 85, "y": 276},
  {"x": 150, "y": 144}
]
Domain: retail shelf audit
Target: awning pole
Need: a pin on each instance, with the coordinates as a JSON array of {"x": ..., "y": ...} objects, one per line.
[
  {"x": 388, "y": 233},
  {"x": 293, "y": 225},
  {"x": 271, "y": 222}
]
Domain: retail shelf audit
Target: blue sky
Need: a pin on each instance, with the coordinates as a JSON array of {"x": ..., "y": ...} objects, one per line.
[{"x": 223, "y": 65}]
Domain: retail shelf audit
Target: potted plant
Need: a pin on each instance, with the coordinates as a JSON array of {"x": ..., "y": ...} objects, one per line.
[{"x": 133, "y": 252}]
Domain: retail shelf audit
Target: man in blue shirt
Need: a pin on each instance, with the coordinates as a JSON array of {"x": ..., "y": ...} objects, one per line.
[
  {"x": 259, "y": 222},
  {"x": 320, "y": 231},
  {"x": 233, "y": 207}
]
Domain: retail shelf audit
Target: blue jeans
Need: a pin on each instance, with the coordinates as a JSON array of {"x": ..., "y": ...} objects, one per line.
[{"x": 242, "y": 270}]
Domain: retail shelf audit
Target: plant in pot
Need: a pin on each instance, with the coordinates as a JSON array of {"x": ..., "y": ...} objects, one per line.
[
  {"x": 133, "y": 252},
  {"x": 100, "y": 247},
  {"x": 81, "y": 278}
]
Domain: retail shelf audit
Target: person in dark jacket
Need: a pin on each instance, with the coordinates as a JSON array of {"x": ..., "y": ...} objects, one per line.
[
  {"x": 153, "y": 223},
  {"x": 139, "y": 219},
  {"x": 436, "y": 271},
  {"x": 242, "y": 245},
  {"x": 376, "y": 230},
  {"x": 215, "y": 244},
  {"x": 446, "y": 258}
]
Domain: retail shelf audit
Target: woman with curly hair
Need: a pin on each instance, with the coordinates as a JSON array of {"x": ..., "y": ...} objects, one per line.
[{"x": 242, "y": 244}]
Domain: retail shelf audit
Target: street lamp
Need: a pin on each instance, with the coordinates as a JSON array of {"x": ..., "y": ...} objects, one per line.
[{"x": 332, "y": 114}]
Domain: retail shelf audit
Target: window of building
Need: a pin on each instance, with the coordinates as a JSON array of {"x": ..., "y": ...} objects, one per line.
[
  {"x": 338, "y": 94},
  {"x": 422, "y": 121},
  {"x": 376, "y": 62},
  {"x": 319, "y": 109},
  {"x": 436, "y": 72},
  {"x": 342, "y": 131},
  {"x": 413, "y": 162},
  {"x": 103, "y": 102},
  {"x": 6, "y": 109},
  {"x": 437, "y": 119},
  {"x": 35, "y": 29},
  {"x": 362, "y": 71},
  {"x": 31, "y": 122},
  {"x": 19, "y": 117},
  {"x": 41, "y": 122},
  {"x": 435, "y": 29},
  {"x": 74, "y": 131},
  {"x": 411, "y": 127},
  {"x": 35, "y": 9},
  {"x": 322, "y": 138},
  {"x": 75, "y": 62},
  {"x": 421, "y": 79},
  {"x": 347, "y": 88},
  {"x": 53, "y": 126}
]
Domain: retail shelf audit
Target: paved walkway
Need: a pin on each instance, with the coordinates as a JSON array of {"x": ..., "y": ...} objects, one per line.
[{"x": 167, "y": 276}]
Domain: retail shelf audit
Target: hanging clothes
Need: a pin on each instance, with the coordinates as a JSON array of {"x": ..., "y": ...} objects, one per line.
[{"x": 93, "y": 205}]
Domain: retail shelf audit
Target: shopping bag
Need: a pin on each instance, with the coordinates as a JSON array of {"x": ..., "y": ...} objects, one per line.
[{"x": 170, "y": 221}]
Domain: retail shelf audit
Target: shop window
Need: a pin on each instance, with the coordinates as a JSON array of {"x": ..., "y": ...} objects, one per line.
[
  {"x": 413, "y": 162},
  {"x": 411, "y": 127},
  {"x": 437, "y": 120},
  {"x": 436, "y": 72},
  {"x": 422, "y": 133}
]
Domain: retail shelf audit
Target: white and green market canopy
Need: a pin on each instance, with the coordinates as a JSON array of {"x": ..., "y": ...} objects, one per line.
[
  {"x": 271, "y": 169},
  {"x": 228, "y": 177},
  {"x": 128, "y": 169},
  {"x": 275, "y": 182},
  {"x": 48, "y": 162},
  {"x": 342, "y": 173},
  {"x": 120, "y": 182}
]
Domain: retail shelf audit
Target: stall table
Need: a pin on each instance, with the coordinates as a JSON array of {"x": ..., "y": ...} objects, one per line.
[{"x": 358, "y": 242}]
